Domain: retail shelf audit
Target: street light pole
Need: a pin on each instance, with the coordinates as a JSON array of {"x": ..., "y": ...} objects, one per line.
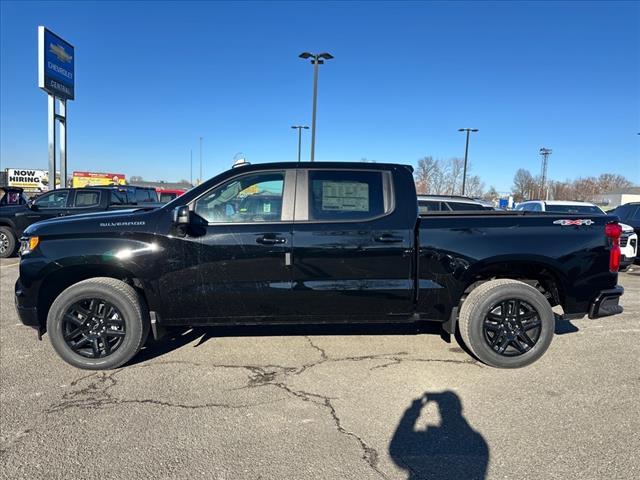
[
  {"x": 191, "y": 168},
  {"x": 466, "y": 155},
  {"x": 299, "y": 128},
  {"x": 200, "y": 179},
  {"x": 316, "y": 59}
]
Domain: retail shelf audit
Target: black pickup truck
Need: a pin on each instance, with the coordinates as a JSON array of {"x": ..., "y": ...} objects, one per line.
[
  {"x": 319, "y": 243},
  {"x": 67, "y": 201}
]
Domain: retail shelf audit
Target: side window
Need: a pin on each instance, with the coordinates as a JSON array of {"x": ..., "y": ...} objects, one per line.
[
  {"x": 426, "y": 206},
  {"x": 118, "y": 197},
  {"x": 11, "y": 198},
  {"x": 143, "y": 196},
  {"x": 167, "y": 197},
  {"x": 345, "y": 195},
  {"x": 87, "y": 198},
  {"x": 459, "y": 206},
  {"x": 251, "y": 198},
  {"x": 635, "y": 215},
  {"x": 536, "y": 207},
  {"x": 55, "y": 199}
]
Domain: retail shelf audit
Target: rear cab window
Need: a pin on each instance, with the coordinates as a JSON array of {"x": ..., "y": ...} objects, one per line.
[
  {"x": 144, "y": 196},
  {"x": 343, "y": 195},
  {"x": 462, "y": 206},
  {"x": 574, "y": 209},
  {"x": 426, "y": 206}
]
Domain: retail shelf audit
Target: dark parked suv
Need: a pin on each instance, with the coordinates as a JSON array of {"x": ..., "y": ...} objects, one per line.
[
  {"x": 628, "y": 213},
  {"x": 15, "y": 218}
]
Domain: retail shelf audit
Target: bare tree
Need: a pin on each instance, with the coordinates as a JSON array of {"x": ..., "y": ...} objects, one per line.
[
  {"x": 524, "y": 185},
  {"x": 491, "y": 194},
  {"x": 611, "y": 181},
  {"x": 454, "y": 178},
  {"x": 426, "y": 175},
  {"x": 474, "y": 186}
]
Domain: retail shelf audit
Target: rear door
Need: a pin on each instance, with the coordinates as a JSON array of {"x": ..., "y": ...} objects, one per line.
[
  {"x": 352, "y": 257},
  {"x": 86, "y": 200}
]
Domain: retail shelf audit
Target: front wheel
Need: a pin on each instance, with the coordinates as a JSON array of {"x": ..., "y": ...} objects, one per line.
[
  {"x": 7, "y": 242},
  {"x": 98, "y": 324},
  {"x": 506, "y": 323}
]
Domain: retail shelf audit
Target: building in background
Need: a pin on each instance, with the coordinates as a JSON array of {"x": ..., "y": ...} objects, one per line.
[{"x": 616, "y": 198}]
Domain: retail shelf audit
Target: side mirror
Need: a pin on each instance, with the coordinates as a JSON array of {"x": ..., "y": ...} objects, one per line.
[
  {"x": 181, "y": 215},
  {"x": 31, "y": 205}
]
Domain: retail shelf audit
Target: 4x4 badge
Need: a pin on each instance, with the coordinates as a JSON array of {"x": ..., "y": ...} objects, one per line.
[{"x": 565, "y": 222}]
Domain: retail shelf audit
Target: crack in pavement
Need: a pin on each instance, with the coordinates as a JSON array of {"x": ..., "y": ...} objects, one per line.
[
  {"x": 97, "y": 394},
  {"x": 369, "y": 454}
]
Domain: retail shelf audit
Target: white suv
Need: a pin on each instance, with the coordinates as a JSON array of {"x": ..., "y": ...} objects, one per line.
[{"x": 628, "y": 239}]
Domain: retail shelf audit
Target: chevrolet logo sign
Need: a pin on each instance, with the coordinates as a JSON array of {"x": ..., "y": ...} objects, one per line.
[{"x": 60, "y": 52}]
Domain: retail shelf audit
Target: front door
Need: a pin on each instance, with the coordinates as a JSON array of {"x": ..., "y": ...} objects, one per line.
[
  {"x": 237, "y": 250},
  {"x": 49, "y": 205}
]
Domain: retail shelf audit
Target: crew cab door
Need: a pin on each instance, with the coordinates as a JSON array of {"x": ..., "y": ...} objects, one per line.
[
  {"x": 352, "y": 257},
  {"x": 235, "y": 256},
  {"x": 86, "y": 200},
  {"x": 48, "y": 205}
]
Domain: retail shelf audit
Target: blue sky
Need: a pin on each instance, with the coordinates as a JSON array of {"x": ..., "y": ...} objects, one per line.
[{"x": 153, "y": 77}]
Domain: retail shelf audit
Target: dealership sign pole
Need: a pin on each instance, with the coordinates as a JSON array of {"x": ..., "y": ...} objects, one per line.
[{"x": 56, "y": 76}]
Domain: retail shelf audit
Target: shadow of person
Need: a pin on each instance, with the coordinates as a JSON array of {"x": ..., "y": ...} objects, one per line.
[{"x": 451, "y": 450}]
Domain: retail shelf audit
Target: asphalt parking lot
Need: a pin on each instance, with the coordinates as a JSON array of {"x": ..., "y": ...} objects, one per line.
[{"x": 324, "y": 403}]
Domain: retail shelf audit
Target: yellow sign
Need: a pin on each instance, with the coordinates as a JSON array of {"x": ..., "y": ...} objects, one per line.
[{"x": 85, "y": 179}]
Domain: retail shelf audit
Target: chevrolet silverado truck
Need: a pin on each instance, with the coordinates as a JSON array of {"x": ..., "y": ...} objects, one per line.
[
  {"x": 316, "y": 243},
  {"x": 67, "y": 201}
]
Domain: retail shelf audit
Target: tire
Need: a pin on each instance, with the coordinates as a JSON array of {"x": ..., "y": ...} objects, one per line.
[
  {"x": 498, "y": 312},
  {"x": 8, "y": 242},
  {"x": 90, "y": 343}
]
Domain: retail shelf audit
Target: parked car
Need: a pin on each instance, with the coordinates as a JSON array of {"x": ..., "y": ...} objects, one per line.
[
  {"x": 629, "y": 213},
  {"x": 346, "y": 245},
  {"x": 628, "y": 239},
  {"x": 166, "y": 195},
  {"x": 449, "y": 203},
  {"x": 11, "y": 199},
  {"x": 67, "y": 201}
]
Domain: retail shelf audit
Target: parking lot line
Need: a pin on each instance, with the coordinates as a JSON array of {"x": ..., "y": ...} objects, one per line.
[{"x": 12, "y": 264}]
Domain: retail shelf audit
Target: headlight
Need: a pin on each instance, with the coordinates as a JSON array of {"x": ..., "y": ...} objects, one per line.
[{"x": 28, "y": 244}]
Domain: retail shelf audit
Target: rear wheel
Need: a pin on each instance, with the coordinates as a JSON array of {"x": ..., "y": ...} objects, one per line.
[
  {"x": 98, "y": 324},
  {"x": 7, "y": 242},
  {"x": 506, "y": 323}
]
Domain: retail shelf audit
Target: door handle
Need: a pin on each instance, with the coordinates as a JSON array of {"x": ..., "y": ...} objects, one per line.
[
  {"x": 388, "y": 238},
  {"x": 62, "y": 214},
  {"x": 270, "y": 240}
]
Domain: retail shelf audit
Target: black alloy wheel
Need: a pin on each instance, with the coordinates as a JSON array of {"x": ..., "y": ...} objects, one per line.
[
  {"x": 93, "y": 328},
  {"x": 512, "y": 327}
]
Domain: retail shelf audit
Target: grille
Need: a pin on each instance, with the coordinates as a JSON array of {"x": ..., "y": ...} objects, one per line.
[{"x": 623, "y": 241}]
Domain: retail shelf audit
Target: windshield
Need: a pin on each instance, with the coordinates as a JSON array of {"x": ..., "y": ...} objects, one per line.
[{"x": 574, "y": 209}]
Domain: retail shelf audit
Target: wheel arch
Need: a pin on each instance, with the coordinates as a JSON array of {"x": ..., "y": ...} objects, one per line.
[
  {"x": 58, "y": 281},
  {"x": 548, "y": 277}
]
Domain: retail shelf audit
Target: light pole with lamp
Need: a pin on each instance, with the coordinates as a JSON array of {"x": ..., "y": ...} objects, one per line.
[{"x": 316, "y": 59}]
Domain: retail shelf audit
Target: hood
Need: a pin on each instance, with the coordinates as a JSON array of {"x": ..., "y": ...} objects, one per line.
[
  {"x": 626, "y": 228},
  {"x": 120, "y": 221}
]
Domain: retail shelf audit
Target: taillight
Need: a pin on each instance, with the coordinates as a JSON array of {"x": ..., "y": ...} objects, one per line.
[{"x": 613, "y": 231}]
